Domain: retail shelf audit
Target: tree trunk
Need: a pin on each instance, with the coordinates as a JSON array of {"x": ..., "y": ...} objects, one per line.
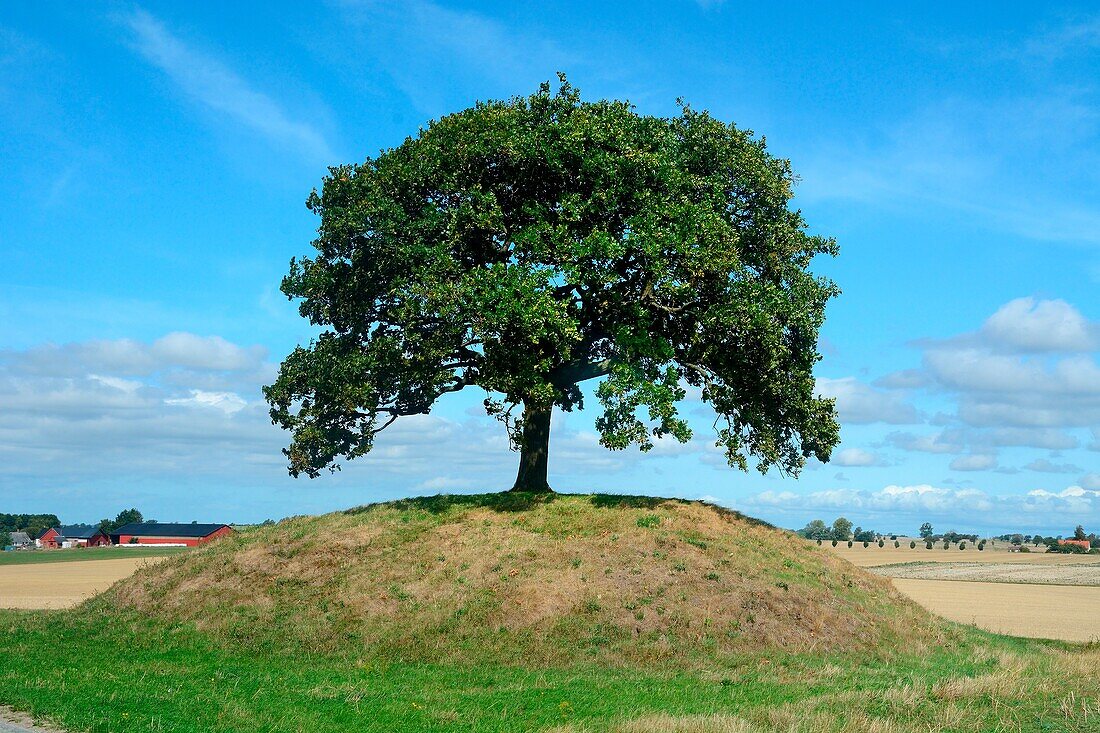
[{"x": 534, "y": 449}]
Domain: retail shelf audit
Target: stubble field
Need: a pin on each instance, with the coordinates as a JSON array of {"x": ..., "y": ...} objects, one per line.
[
  {"x": 56, "y": 585},
  {"x": 1031, "y": 594}
]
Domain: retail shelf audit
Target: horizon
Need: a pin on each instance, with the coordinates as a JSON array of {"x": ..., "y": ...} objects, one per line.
[{"x": 159, "y": 158}]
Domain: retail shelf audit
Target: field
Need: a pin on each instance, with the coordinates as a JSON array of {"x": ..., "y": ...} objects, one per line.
[
  {"x": 1048, "y": 612},
  {"x": 889, "y": 555},
  {"x": 62, "y": 584},
  {"x": 556, "y": 615},
  {"x": 1079, "y": 573},
  {"x": 34, "y": 557}
]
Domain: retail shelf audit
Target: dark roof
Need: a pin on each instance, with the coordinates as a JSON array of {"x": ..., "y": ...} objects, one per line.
[
  {"x": 165, "y": 529},
  {"x": 77, "y": 532},
  {"x": 19, "y": 537}
]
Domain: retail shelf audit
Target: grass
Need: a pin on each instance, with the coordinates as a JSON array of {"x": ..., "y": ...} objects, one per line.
[
  {"x": 33, "y": 557},
  {"x": 512, "y": 613},
  {"x": 135, "y": 674}
]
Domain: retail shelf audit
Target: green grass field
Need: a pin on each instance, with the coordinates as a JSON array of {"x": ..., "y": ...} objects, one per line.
[
  {"x": 29, "y": 557},
  {"x": 140, "y": 675}
]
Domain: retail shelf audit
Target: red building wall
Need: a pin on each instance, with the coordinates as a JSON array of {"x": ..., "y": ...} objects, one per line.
[
  {"x": 47, "y": 539},
  {"x": 127, "y": 539}
]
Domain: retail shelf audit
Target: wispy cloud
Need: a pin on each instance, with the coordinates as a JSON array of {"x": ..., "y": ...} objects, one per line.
[{"x": 212, "y": 84}]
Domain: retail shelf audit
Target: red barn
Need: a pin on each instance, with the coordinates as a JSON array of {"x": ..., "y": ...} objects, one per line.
[
  {"x": 76, "y": 535},
  {"x": 48, "y": 539},
  {"x": 163, "y": 533}
]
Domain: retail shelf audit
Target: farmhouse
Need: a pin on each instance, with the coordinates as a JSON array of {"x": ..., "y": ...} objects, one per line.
[
  {"x": 73, "y": 536},
  {"x": 158, "y": 533},
  {"x": 20, "y": 539},
  {"x": 1079, "y": 543}
]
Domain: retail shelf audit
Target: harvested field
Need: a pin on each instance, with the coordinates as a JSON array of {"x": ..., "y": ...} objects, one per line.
[
  {"x": 1076, "y": 574},
  {"x": 62, "y": 584},
  {"x": 890, "y": 555},
  {"x": 1038, "y": 611}
]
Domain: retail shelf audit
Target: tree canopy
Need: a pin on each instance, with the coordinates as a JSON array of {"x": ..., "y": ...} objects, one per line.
[{"x": 525, "y": 246}]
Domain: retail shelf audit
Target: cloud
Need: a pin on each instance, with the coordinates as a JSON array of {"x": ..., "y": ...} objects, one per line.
[
  {"x": 947, "y": 441},
  {"x": 974, "y": 462},
  {"x": 860, "y": 403},
  {"x": 1031, "y": 367},
  {"x": 1042, "y": 465},
  {"x": 227, "y": 402},
  {"x": 964, "y": 508},
  {"x": 1091, "y": 481},
  {"x": 1028, "y": 325},
  {"x": 857, "y": 457},
  {"x": 213, "y": 85}
]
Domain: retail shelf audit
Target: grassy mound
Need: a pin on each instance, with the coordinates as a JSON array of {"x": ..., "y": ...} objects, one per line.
[{"x": 529, "y": 580}]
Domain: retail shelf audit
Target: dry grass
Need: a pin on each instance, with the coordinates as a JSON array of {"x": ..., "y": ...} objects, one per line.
[
  {"x": 62, "y": 584},
  {"x": 619, "y": 580}
]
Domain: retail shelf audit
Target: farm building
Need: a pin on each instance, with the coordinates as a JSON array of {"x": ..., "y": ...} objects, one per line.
[
  {"x": 20, "y": 539},
  {"x": 1079, "y": 543},
  {"x": 73, "y": 536},
  {"x": 158, "y": 533}
]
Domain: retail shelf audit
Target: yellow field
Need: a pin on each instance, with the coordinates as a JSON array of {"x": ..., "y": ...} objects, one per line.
[
  {"x": 889, "y": 555},
  {"x": 1042, "y": 611},
  {"x": 62, "y": 584}
]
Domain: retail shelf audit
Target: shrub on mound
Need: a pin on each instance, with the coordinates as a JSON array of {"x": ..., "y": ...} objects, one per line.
[{"x": 517, "y": 578}]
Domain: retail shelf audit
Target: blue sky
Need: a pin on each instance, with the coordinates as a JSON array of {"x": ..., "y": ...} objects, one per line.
[{"x": 156, "y": 160}]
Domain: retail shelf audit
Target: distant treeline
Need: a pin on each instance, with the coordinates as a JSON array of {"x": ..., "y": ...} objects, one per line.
[{"x": 32, "y": 524}]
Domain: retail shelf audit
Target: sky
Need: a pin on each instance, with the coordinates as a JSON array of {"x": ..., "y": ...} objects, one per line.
[{"x": 156, "y": 159}]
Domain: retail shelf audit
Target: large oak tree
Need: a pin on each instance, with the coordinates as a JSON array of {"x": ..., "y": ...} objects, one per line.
[{"x": 526, "y": 246}]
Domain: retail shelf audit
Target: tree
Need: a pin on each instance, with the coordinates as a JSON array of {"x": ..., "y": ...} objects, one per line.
[
  {"x": 1079, "y": 533},
  {"x": 126, "y": 516},
  {"x": 926, "y": 531},
  {"x": 815, "y": 530},
  {"x": 526, "y": 246},
  {"x": 5, "y": 539},
  {"x": 842, "y": 529}
]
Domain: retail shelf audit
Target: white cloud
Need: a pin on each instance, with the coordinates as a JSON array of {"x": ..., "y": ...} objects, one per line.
[
  {"x": 857, "y": 402},
  {"x": 1030, "y": 325},
  {"x": 215, "y": 86},
  {"x": 1042, "y": 465},
  {"x": 856, "y": 457},
  {"x": 974, "y": 462},
  {"x": 1091, "y": 481},
  {"x": 967, "y": 509},
  {"x": 227, "y": 402}
]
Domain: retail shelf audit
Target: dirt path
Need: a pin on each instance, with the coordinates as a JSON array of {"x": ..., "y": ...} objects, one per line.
[
  {"x": 62, "y": 584},
  {"x": 13, "y": 722},
  {"x": 1042, "y": 611}
]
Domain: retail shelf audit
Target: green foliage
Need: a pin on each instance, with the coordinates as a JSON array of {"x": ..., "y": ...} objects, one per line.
[
  {"x": 126, "y": 516},
  {"x": 926, "y": 530},
  {"x": 1079, "y": 533},
  {"x": 912, "y": 544},
  {"x": 5, "y": 539},
  {"x": 649, "y": 521},
  {"x": 33, "y": 524},
  {"x": 815, "y": 530},
  {"x": 928, "y": 545},
  {"x": 842, "y": 529},
  {"x": 849, "y": 543},
  {"x": 527, "y": 245}
]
